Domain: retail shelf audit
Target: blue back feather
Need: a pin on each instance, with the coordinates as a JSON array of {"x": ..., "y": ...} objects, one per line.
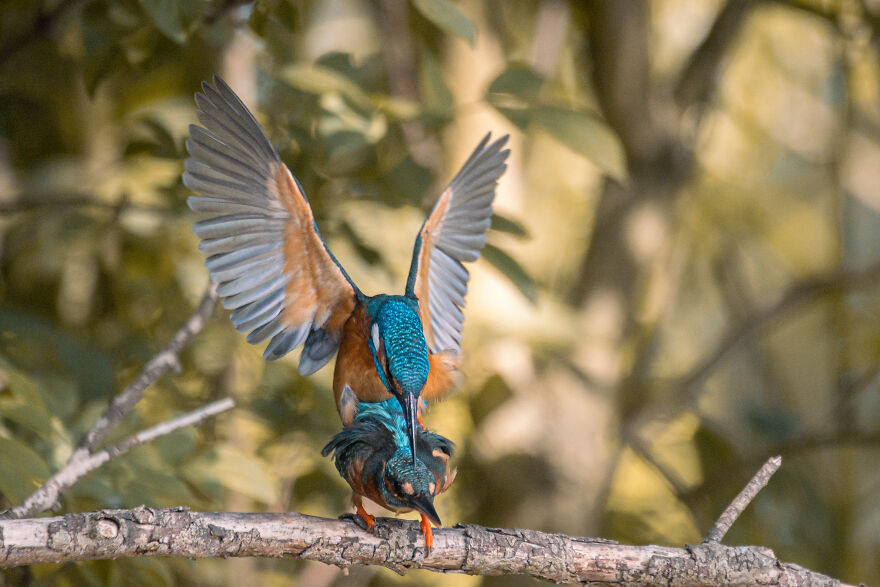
[{"x": 406, "y": 350}]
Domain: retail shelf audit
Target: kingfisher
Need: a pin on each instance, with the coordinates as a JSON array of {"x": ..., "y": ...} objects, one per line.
[
  {"x": 282, "y": 283},
  {"x": 372, "y": 453}
]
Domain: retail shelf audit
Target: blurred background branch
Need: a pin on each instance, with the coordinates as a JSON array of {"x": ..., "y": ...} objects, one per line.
[{"x": 85, "y": 459}]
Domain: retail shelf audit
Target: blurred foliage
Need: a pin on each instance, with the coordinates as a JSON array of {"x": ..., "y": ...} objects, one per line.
[{"x": 374, "y": 106}]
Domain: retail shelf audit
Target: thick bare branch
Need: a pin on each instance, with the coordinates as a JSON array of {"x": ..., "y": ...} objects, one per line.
[
  {"x": 397, "y": 544},
  {"x": 618, "y": 35},
  {"x": 742, "y": 500},
  {"x": 51, "y": 491}
]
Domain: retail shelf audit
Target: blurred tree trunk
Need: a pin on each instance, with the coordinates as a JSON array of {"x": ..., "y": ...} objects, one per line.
[{"x": 619, "y": 282}]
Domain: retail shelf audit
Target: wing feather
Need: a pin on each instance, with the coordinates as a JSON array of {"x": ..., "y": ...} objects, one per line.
[
  {"x": 454, "y": 232},
  {"x": 264, "y": 250}
]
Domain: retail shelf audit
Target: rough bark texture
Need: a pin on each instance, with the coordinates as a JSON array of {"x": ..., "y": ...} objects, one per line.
[{"x": 397, "y": 544}]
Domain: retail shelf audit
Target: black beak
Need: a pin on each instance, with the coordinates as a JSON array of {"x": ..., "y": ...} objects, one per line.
[
  {"x": 425, "y": 505},
  {"x": 410, "y": 407}
]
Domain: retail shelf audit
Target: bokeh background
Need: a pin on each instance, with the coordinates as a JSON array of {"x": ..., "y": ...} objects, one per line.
[{"x": 681, "y": 279}]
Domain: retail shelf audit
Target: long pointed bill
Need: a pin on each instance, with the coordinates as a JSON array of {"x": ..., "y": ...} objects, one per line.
[
  {"x": 410, "y": 407},
  {"x": 425, "y": 504}
]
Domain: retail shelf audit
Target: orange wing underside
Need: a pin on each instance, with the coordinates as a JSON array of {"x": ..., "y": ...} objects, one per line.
[{"x": 317, "y": 291}]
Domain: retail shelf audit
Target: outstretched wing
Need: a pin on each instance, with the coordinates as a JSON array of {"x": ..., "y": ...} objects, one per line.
[
  {"x": 454, "y": 232},
  {"x": 264, "y": 250}
]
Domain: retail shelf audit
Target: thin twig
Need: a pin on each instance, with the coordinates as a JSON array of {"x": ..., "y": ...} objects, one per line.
[
  {"x": 742, "y": 501},
  {"x": 80, "y": 462},
  {"x": 52, "y": 489},
  {"x": 166, "y": 360},
  {"x": 189, "y": 419},
  {"x": 808, "y": 289}
]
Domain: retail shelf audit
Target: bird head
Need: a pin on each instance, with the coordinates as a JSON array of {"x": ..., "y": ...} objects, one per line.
[{"x": 410, "y": 486}]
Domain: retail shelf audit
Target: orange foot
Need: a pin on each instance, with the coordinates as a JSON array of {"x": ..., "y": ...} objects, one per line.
[
  {"x": 425, "y": 525},
  {"x": 367, "y": 518}
]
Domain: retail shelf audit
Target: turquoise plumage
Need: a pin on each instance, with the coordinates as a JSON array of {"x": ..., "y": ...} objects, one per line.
[{"x": 373, "y": 455}]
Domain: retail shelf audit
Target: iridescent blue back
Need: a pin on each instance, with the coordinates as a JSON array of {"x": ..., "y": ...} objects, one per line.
[{"x": 405, "y": 348}]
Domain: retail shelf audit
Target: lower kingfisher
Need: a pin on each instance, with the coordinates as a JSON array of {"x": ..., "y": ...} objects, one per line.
[
  {"x": 372, "y": 454},
  {"x": 282, "y": 283}
]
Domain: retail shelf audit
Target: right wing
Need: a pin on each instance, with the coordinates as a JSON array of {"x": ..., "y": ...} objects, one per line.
[
  {"x": 272, "y": 267},
  {"x": 455, "y": 231}
]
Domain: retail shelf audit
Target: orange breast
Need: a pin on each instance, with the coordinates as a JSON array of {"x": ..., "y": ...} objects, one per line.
[{"x": 354, "y": 363}]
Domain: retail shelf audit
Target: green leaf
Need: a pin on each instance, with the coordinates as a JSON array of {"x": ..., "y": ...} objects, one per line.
[
  {"x": 510, "y": 226},
  {"x": 512, "y": 270},
  {"x": 26, "y": 415},
  {"x": 518, "y": 80},
  {"x": 521, "y": 117},
  {"x": 237, "y": 471},
  {"x": 166, "y": 17},
  {"x": 436, "y": 95},
  {"x": 22, "y": 471},
  {"x": 448, "y": 17},
  {"x": 585, "y": 134},
  {"x": 317, "y": 80}
]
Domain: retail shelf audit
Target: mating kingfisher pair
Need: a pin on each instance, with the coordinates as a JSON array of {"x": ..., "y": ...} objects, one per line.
[{"x": 278, "y": 277}]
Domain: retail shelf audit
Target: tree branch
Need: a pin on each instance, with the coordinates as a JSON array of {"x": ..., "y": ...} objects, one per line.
[
  {"x": 166, "y": 360},
  {"x": 83, "y": 461},
  {"x": 397, "y": 544},
  {"x": 799, "y": 293},
  {"x": 52, "y": 489},
  {"x": 618, "y": 36},
  {"x": 742, "y": 500},
  {"x": 699, "y": 78}
]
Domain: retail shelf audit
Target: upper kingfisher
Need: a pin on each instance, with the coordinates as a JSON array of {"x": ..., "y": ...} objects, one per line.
[
  {"x": 373, "y": 454},
  {"x": 282, "y": 283}
]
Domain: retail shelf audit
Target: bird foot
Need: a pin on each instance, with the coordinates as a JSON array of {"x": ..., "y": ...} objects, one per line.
[
  {"x": 425, "y": 526},
  {"x": 369, "y": 520},
  {"x": 360, "y": 522}
]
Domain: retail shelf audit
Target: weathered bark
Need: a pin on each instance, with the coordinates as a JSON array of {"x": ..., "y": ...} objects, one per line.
[{"x": 397, "y": 544}]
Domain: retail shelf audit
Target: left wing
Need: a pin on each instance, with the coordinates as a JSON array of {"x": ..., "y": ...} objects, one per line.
[
  {"x": 264, "y": 250},
  {"x": 455, "y": 231}
]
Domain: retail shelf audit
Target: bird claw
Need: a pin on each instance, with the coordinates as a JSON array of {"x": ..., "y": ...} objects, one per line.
[{"x": 360, "y": 522}]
